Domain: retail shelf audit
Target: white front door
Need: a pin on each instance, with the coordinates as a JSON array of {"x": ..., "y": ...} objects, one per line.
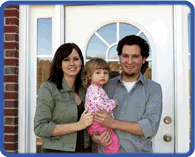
[{"x": 97, "y": 29}]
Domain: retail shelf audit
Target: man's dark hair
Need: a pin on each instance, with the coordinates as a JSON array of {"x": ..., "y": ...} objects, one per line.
[
  {"x": 56, "y": 73},
  {"x": 134, "y": 40}
]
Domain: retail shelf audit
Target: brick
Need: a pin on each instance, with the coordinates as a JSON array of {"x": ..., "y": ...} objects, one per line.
[
  {"x": 10, "y": 78},
  {"x": 11, "y": 21},
  {"x": 10, "y": 146},
  {"x": 11, "y": 45},
  {"x": 10, "y": 112},
  {"x": 10, "y": 103},
  {"x": 11, "y": 29},
  {"x": 11, "y": 95},
  {"x": 11, "y": 62},
  {"x": 11, "y": 37},
  {"x": 13, "y": 6},
  {"x": 11, "y": 87},
  {"x": 11, "y": 70},
  {"x": 10, "y": 120},
  {"x": 11, "y": 12},
  {"x": 11, "y": 138},
  {"x": 10, "y": 129},
  {"x": 11, "y": 53}
]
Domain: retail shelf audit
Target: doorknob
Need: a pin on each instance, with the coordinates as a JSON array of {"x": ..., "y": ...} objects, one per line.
[
  {"x": 167, "y": 120},
  {"x": 167, "y": 137}
]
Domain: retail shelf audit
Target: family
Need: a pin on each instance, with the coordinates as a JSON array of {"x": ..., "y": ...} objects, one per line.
[{"x": 79, "y": 105}]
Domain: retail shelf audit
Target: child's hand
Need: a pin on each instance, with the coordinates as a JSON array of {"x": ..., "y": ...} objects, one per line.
[{"x": 116, "y": 102}]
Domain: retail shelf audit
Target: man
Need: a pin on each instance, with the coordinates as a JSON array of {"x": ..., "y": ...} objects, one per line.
[{"x": 137, "y": 117}]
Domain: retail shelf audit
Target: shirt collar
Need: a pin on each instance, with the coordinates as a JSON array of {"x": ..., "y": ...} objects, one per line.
[
  {"x": 65, "y": 86},
  {"x": 140, "y": 78}
]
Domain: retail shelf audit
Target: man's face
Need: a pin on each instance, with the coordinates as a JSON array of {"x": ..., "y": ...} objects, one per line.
[{"x": 131, "y": 62}]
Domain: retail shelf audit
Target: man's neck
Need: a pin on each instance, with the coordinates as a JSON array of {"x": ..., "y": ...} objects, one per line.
[{"x": 130, "y": 78}]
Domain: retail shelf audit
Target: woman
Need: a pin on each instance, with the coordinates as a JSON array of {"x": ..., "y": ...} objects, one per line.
[{"x": 60, "y": 118}]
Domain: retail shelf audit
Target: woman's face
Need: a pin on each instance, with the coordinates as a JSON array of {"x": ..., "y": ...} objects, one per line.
[{"x": 71, "y": 65}]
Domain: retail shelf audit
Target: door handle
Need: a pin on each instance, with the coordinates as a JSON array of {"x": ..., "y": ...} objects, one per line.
[
  {"x": 167, "y": 137},
  {"x": 167, "y": 120}
]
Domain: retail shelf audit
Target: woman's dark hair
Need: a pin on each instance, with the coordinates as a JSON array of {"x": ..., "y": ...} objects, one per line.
[
  {"x": 56, "y": 73},
  {"x": 134, "y": 40}
]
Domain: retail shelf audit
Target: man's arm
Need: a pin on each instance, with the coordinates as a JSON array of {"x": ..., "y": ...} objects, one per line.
[
  {"x": 147, "y": 126},
  {"x": 104, "y": 139},
  {"x": 107, "y": 120}
]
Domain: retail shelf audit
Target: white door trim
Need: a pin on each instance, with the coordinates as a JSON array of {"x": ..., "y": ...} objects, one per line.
[
  {"x": 181, "y": 79},
  {"x": 59, "y": 21},
  {"x": 23, "y": 79}
]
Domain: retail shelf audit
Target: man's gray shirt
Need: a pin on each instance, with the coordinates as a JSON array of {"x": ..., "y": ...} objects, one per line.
[{"x": 143, "y": 104}]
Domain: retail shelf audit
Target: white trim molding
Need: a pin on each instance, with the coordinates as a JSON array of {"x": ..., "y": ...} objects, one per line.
[
  {"x": 23, "y": 79},
  {"x": 59, "y": 26},
  {"x": 181, "y": 79}
]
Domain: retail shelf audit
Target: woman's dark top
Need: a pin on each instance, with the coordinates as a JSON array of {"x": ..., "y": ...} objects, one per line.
[{"x": 80, "y": 134}]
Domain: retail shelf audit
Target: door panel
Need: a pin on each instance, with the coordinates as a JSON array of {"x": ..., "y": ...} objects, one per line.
[{"x": 156, "y": 22}]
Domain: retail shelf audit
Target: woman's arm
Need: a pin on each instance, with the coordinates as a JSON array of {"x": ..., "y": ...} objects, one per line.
[
  {"x": 85, "y": 120},
  {"x": 44, "y": 126}
]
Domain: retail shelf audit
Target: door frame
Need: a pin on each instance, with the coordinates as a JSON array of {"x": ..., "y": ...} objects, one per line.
[
  {"x": 27, "y": 143},
  {"x": 181, "y": 79},
  {"x": 26, "y": 136}
]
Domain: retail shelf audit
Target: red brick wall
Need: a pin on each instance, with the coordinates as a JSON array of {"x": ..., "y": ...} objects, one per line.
[{"x": 11, "y": 61}]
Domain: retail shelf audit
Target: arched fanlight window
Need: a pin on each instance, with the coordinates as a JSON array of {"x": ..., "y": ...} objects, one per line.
[{"x": 103, "y": 44}]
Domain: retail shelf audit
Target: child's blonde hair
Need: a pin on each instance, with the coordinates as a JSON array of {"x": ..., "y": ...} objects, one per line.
[{"x": 90, "y": 67}]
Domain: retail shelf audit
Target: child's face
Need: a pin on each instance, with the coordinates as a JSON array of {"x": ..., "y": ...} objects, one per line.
[{"x": 100, "y": 77}]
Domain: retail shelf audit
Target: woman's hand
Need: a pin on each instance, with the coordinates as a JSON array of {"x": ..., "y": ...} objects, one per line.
[
  {"x": 103, "y": 139},
  {"x": 85, "y": 120}
]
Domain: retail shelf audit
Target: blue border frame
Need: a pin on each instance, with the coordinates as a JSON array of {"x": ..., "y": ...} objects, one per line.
[{"x": 96, "y": 3}]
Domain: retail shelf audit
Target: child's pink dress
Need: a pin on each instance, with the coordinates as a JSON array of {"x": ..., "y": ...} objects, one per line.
[{"x": 95, "y": 97}]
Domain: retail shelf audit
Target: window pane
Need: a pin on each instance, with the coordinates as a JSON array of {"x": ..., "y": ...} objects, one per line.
[
  {"x": 44, "y": 36},
  {"x": 96, "y": 48},
  {"x": 108, "y": 33},
  {"x": 43, "y": 69},
  {"x": 115, "y": 66},
  {"x": 144, "y": 37},
  {"x": 113, "y": 53},
  {"x": 126, "y": 29}
]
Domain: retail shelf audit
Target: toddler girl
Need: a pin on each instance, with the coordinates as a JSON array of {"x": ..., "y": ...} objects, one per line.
[{"x": 96, "y": 74}]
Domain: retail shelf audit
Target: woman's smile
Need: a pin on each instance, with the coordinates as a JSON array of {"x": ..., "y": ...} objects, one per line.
[{"x": 72, "y": 69}]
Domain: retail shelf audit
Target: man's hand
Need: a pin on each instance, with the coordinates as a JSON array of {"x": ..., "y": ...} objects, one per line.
[
  {"x": 103, "y": 139},
  {"x": 116, "y": 102},
  {"x": 104, "y": 118}
]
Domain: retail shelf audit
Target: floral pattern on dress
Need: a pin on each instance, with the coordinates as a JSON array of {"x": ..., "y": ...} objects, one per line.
[{"x": 97, "y": 97}]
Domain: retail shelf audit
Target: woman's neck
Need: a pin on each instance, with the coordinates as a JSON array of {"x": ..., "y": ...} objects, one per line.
[{"x": 70, "y": 81}]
